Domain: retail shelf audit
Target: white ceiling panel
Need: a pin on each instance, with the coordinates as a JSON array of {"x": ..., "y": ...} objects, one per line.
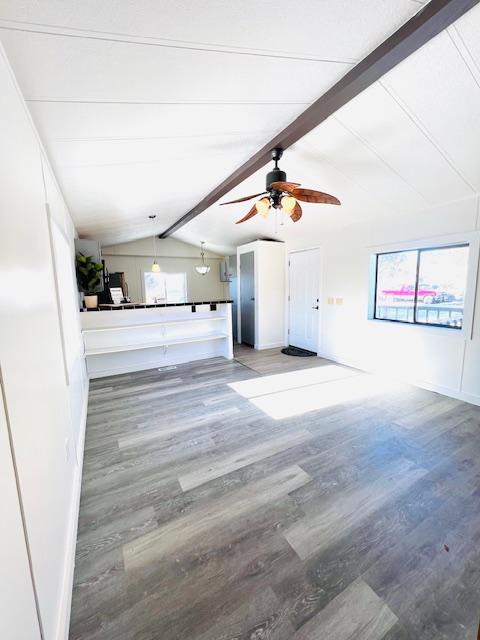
[
  {"x": 344, "y": 30},
  {"x": 115, "y": 162},
  {"x": 438, "y": 90},
  {"x": 98, "y": 122},
  {"x": 60, "y": 67},
  {"x": 349, "y": 155},
  {"x": 402, "y": 145},
  {"x": 119, "y": 161},
  {"x": 189, "y": 154},
  {"x": 167, "y": 188},
  {"x": 468, "y": 27}
]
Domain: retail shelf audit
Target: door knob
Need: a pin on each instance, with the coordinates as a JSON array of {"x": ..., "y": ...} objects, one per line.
[{"x": 252, "y": 299}]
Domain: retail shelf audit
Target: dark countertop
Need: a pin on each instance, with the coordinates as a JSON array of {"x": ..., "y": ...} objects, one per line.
[{"x": 144, "y": 305}]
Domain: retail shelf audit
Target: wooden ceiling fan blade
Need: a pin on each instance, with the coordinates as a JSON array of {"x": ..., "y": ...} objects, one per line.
[
  {"x": 309, "y": 195},
  {"x": 289, "y": 187},
  {"x": 255, "y": 195},
  {"x": 253, "y": 212},
  {"x": 296, "y": 213}
]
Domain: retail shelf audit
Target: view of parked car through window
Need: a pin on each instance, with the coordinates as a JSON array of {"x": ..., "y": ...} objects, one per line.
[{"x": 422, "y": 286}]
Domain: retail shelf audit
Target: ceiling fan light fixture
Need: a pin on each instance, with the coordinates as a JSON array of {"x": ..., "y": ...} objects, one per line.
[
  {"x": 288, "y": 204},
  {"x": 263, "y": 206},
  {"x": 203, "y": 268},
  {"x": 282, "y": 195}
]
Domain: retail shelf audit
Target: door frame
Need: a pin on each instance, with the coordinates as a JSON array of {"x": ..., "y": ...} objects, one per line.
[
  {"x": 247, "y": 248},
  {"x": 319, "y": 294},
  {"x": 240, "y": 307}
]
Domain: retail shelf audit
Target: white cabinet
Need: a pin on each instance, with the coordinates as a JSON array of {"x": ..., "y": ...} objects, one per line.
[{"x": 268, "y": 293}]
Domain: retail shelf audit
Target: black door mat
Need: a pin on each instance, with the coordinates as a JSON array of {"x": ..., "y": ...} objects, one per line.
[{"x": 296, "y": 351}]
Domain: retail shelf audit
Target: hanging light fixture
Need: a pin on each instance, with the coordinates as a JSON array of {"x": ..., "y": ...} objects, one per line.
[
  {"x": 203, "y": 268},
  {"x": 155, "y": 265}
]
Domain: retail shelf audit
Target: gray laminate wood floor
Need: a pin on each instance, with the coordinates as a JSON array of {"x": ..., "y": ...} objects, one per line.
[{"x": 276, "y": 498}]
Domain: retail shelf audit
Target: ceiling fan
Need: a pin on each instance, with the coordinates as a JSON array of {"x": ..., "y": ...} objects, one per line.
[{"x": 282, "y": 195}]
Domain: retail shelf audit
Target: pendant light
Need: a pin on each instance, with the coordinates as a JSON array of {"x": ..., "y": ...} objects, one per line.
[
  {"x": 203, "y": 268},
  {"x": 155, "y": 265}
]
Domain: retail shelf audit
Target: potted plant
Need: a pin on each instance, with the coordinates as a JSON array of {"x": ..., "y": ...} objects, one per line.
[{"x": 88, "y": 278}]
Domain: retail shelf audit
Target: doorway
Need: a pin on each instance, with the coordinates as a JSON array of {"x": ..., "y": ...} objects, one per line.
[
  {"x": 233, "y": 293},
  {"x": 247, "y": 297},
  {"x": 304, "y": 299}
]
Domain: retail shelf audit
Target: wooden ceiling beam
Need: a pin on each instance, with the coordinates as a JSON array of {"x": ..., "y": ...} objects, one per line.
[{"x": 433, "y": 18}]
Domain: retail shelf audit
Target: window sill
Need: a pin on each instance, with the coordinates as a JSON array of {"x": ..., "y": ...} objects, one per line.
[{"x": 432, "y": 328}]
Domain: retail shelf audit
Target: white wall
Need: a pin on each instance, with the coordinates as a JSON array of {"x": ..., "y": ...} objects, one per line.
[
  {"x": 18, "y": 613},
  {"x": 173, "y": 256},
  {"x": 45, "y": 401},
  {"x": 439, "y": 359}
]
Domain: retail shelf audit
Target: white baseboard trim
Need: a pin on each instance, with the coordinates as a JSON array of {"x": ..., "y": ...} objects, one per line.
[
  {"x": 63, "y": 626},
  {"x": 271, "y": 345},
  {"x": 155, "y": 364},
  {"x": 470, "y": 397},
  {"x": 452, "y": 393},
  {"x": 446, "y": 391}
]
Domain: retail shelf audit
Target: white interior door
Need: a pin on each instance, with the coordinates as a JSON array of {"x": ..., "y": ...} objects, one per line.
[{"x": 304, "y": 306}]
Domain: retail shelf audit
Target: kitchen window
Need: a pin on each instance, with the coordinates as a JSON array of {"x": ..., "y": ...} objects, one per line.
[
  {"x": 422, "y": 286},
  {"x": 165, "y": 287}
]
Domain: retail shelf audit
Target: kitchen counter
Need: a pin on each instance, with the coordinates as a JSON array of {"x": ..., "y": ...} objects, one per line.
[
  {"x": 150, "y": 305},
  {"x": 148, "y": 336}
]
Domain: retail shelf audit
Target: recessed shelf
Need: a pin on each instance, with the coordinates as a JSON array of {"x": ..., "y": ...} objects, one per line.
[
  {"x": 156, "y": 324},
  {"x": 150, "y": 345}
]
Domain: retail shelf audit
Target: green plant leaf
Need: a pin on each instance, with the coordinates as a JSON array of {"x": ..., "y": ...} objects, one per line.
[{"x": 88, "y": 273}]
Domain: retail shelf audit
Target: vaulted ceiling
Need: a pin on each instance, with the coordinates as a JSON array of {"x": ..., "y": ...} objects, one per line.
[
  {"x": 407, "y": 144},
  {"x": 144, "y": 107}
]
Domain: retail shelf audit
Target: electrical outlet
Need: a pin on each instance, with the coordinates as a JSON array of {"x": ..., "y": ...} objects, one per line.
[
  {"x": 331, "y": 300},
  {"x": 339, "y": 301}
]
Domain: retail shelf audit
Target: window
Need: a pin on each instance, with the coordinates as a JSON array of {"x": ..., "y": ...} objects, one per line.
[
  {"x": 422, "y": 286},
  {"x": 165, "y": 287}
]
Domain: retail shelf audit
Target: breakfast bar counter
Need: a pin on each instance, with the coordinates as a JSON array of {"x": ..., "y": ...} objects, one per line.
[{"x": 135, "y": 336}]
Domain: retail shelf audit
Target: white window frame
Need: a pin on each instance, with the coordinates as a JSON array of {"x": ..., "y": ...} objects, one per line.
[
  {"x": 472, "y": 239},
  {"x": 183, "y": 273}
]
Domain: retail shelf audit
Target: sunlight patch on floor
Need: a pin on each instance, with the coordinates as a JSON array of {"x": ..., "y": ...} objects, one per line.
[
  {"x": 291, "y": 380},
  {"x": 291, "y": 394}
]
